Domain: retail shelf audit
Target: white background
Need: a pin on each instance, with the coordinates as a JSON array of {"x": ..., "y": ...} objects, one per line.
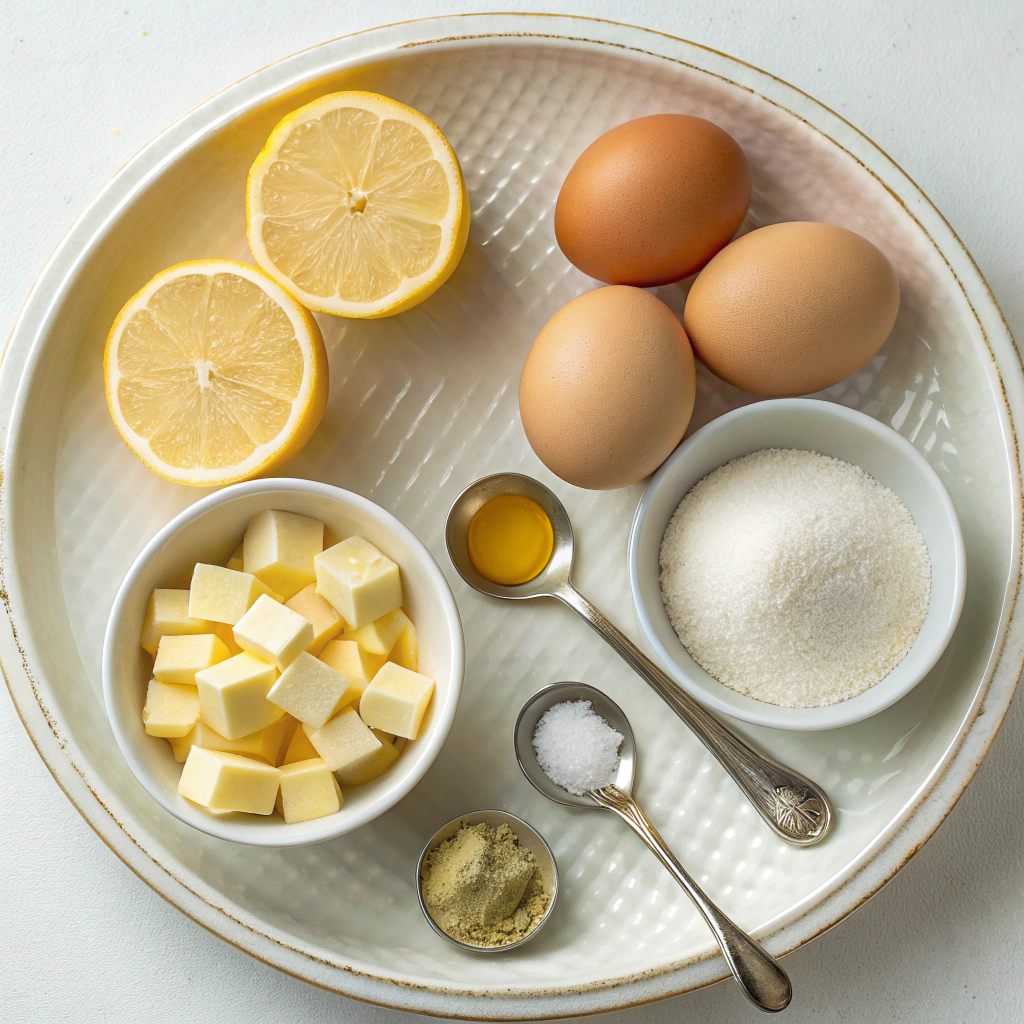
[{"x": 939, "y": 85}]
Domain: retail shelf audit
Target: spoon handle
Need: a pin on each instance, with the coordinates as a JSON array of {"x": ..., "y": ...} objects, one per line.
[
  {"x": 795, "y": 808},
  {"x": 763, "y": 981}
]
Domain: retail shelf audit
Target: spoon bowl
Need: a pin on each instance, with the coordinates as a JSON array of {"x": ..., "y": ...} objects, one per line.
[
  {"x": 553, "y": 578},
  {"x": 603, "y": 705}
]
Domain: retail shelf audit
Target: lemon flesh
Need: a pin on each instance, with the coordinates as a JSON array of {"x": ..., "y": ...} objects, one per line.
[
  {"x": 211, "y": 378},
  {"x": 357, "y": 206}
]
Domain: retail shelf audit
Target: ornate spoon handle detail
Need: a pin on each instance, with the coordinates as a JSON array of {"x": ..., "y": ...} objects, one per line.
[
  {"x": 795, "y": 808},
  {"x": 763, "y": 981}
]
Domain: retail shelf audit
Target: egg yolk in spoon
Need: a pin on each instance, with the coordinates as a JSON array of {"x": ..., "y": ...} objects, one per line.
[{"x": 510, "y": 540}]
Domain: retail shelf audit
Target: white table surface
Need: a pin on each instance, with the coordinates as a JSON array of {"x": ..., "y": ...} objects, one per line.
[{"x": 939, "y": 85}]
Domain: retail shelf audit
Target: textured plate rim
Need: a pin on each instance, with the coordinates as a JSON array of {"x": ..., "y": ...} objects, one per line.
[{"x": 893, "y": 846}]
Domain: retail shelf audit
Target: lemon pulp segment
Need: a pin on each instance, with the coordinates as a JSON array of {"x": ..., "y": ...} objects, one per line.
[{"x": 510, "y": 540}]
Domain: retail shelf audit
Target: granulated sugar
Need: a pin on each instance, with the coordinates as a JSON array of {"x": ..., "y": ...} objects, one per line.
[
  {"x": 794, "y": 578},
  {"x": 577, "y": 749}
]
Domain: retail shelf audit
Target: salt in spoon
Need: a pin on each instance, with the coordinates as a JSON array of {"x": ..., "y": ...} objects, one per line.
[
  {"x": 763, "y": 981},
  {"x": 795, "y": 808}
]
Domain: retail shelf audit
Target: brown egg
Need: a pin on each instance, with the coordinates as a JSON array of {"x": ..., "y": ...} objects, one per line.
[
  {"x": 608, "y": 388},
  {"x": 792, "y": 308},
  {"x": 652, "y": 200}
]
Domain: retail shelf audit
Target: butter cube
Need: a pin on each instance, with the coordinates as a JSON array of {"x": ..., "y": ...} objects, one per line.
[
  {"x": 233, "y": 696},
  {"x": 376, "y": 764},
  {"x": 396, "y": 700},
  {"x": 226, "y": 635},
  {"x": 358, "y": 580},
  {"x": 344, "y": 742},
  {"x": 236, "y": 561},
  {"x": 273, "y": 632},
  {"x": 310, "y": 690},
  {"x": 229, "y": 782},
  {"x": 222, "y": 595},
  {"x": 406, "y": 650},
  {"x": 179, "y": 658},
  {"x": 326, "y": 622},
  {"x": 308, "y": 791},
  {"x": 265, "y": 744},
  {"x": 299, "y": 748},
  {"x": 169, "y": 710},
  {"x": 167, "y": 615},
  {"x": 380, "y": 636},
  {"x": 279, "y": 548},
  {"x": 355, "y": 663}
]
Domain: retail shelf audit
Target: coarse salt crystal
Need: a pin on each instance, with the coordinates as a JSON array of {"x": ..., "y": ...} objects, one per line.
[{"x": 576, "y": 748}]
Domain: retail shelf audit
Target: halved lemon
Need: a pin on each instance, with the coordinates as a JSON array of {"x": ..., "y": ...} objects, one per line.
[
  {"x": 357, "y": 206},
  {"x": 213, "y": 373}
]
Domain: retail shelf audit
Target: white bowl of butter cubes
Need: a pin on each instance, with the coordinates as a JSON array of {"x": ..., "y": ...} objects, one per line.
[{"x": 282, "y": 663}]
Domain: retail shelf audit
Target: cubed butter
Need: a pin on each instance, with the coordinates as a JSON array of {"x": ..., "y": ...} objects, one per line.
[
  {"x": 378, "y": 763},
  {"x": 355, "y": 663},
  {"x": 310, "y": 690},
  {"x": 233, "y": 696},
  {"x": 380, "y": 636},
  {"x": 273, "y": 632},
  {"x": 222, "y": 595},
  {"x": 406, "y": 651},
  {"x": 299, "y": 748},
  {"x": 321, "y": 615},
  {"x": 170, "y": 710},
  {"x": 226, "y": 635},
  {"x": 236, "y": 561},
  {"x": 279, "y": 548},
  {"x": 179, "y": 658},
  {"x": 308, "y": 791},
  {"x": 396, "y": 700},
  {"x": 229, "y": 782},
  {"x": 344, "y": 742},
  {"x": 167, "y": 615},
  {"x": 362, "y": 583},
  {"x": 265, "y": 744}
]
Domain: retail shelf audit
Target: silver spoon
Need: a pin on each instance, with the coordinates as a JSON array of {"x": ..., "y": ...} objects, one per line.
[
  {"x": 763, "y": 981},
  {"x": 795, "y": 808}
]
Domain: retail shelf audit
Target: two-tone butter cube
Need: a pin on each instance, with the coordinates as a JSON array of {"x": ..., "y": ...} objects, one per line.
[
  {"x": 299, "y": 748},
  {"x": 170, "y": 710},
  {"x": 320, "y": 614},
  {"x": 406, "y": 651},
  {"x": 381, "y": 635},
  {"x": 179, "y": 658},
  {"x": 236, "y": 561},
  {"x": 229, "y": 782},
  {"x": 273, "y": 632},
  {"x": 233, "y": 696},
  {"x": 167, "y": 615},
  {"x": 373, "y": 766},
  {"x": 267, "y": 744},
  {"x": 345, "y": 742},
  {"x": 221, "y": 594},
  {"x": 279, "y": 548},
  {"x": 396, "y": 700},
  {"x": 308, "y": 790},
  {"x": 311, "y": 691},
  {"x": 355, "y": 663},
  {"x": 362, "y": 583}
]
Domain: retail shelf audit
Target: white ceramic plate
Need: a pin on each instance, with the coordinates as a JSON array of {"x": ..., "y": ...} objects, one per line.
[{"x": 423, "y": 403}]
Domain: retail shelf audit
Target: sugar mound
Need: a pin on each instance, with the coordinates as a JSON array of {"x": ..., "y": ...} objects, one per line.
[
  {"x": 794, "y": 578},
  {"x": 576, "y": 748}
]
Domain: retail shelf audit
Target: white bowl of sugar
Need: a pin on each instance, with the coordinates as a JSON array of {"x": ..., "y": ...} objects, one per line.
[{"x": 820, "y": 595}]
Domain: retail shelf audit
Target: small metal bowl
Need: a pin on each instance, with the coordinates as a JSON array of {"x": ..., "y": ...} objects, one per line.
[{"x": 527, "y": 836}]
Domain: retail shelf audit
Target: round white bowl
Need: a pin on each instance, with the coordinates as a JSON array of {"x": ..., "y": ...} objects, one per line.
[
  {"x": 843, "y": 433},
  {"x": 209, "y": 531}
]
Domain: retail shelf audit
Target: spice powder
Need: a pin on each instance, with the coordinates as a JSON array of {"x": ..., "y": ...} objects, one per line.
[{"x": 482, "y": 887}]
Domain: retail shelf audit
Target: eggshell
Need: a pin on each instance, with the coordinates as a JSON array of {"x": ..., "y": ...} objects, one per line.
[
  {"x": 792, "y": 308},
  {"x": 608, "y": 388},
  {"x": 652, "y": 200}
]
